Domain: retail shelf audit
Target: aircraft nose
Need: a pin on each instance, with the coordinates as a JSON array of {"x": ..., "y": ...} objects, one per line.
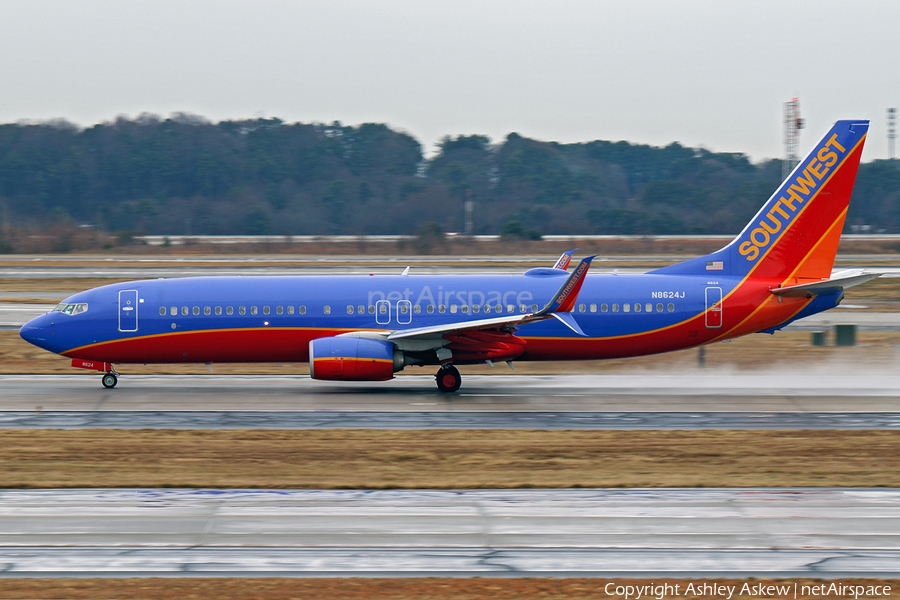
[{"x": 34, "y": 332}]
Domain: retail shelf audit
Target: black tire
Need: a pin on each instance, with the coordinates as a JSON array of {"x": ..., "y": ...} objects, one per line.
[
  {"x": 109, "y": 380},
  {"x": 448, "y": 379}
]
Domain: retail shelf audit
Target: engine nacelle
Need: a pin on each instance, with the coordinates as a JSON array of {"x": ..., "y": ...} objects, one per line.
[{"x": 353, "y": 359}]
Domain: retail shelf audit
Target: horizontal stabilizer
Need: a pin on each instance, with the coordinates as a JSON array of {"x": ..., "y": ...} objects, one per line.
[{"x": 838, "y": 282}]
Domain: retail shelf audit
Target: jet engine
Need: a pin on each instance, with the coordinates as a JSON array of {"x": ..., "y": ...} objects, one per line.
[{"x": 353, "y": 359}]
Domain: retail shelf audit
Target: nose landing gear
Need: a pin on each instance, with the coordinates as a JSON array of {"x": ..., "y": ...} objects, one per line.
[
  {"x": 109, "y": 380},
  {"x": 448, "y": 378}
]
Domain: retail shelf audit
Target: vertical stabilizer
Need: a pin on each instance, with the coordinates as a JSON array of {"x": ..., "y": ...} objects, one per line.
[{"x": 796, "y": 233}]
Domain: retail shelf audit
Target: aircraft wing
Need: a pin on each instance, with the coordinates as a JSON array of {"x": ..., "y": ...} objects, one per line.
[
  {"x": 559, "y": 307},
  {"x": 836, "y": 283}
]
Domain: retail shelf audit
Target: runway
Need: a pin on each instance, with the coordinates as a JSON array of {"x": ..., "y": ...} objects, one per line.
[
  {"x": 637, "y": 532},
  {"x": 701, "y": 391}
]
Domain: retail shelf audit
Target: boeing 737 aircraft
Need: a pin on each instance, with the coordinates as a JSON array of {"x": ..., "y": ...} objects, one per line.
[{"x": 366, "y": 328}]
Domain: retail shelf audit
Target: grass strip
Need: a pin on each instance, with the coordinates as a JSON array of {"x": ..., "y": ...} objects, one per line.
[{"x": 379, "y": 459}]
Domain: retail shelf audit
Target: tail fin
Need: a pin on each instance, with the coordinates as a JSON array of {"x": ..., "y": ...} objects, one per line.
[{"x": 796, "y": 233}]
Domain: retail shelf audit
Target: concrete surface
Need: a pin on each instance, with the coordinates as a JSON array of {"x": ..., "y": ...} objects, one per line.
[{"x": 639, "y": 532}]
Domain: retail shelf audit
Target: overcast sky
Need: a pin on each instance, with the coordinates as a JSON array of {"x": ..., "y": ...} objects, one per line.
[{"x": 704, "y": 73}]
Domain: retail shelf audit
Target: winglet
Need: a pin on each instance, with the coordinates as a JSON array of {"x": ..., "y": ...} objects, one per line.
[
  {"x": 564, "y": 299},
  {"x": 563, "y": 263}
]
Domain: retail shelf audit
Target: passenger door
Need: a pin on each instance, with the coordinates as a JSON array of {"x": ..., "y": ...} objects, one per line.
[
  {"x": 713, "y": 307},
  {"x": 128, "y": 310}
]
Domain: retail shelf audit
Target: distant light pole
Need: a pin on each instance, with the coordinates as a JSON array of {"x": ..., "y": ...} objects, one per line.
[
  {"x": 892, "y": 130},
  {"x": 470, "y": 213},
  {"x": 792, "y": 126}
]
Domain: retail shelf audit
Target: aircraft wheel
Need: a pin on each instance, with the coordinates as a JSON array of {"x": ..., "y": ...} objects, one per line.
[
  {"x": 448, "y": 379},
  {"x": 109, "y": 380}
]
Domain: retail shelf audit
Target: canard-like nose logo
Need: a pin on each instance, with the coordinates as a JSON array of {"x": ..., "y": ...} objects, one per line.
[{"x": 801, "y": 189}]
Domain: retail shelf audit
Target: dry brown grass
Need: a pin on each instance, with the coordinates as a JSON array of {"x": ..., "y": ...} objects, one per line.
[
  {"x": 431, "y": 588},
  {"x": 446, "y": 459}
]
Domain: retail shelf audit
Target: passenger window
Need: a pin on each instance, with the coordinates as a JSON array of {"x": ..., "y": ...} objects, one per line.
[
  {"x": 523, "y": 308},
  {"x": 648, "y": 307},
  {"x": 173, "y": 311},
  {"x": 510, "y": 308},
  {"x": 207, "y": 310},
  {"x": 626, "y": 307},
  {"x": 534, "y": 308},
  {"x": 162, "y": 311},
  {"x": 442, "y": 308},
  {"x": 382, "y": 309},
  {"x": 349, "y": 309},
  {"x": 582, "y": 308},
  {"x": 185, "y": 310},
  {"x": 498, "y": 309},
  {"x": 637, "y": 307},
  {"x": 196, "y": 310},
  {"x": 253, "y": 310},
  {"x": 615, "y": 308},
  {"x": 279, "y": 310},
  {"x": 242, "y": 310},
  {"x": 265, "y": 310},
  {"x": 593, "y": 308},
  {"x": 218, "y": 311},
  {"x": 604, "y": 307},
  {"x": 327, "y": 310},
  {"x": 290, "y": 310},
  {"x": 475, "y": 308},
  {"x": 487, "y": 308},
  {"x": 360, "y": 310},
  {"x": 453, "y": 309},
  {"x": 429, "y": 309},
  {"x": 404, "y": 308},
  {"x": 371, "y": 309},
  {"x": 302, "y": 310},
  {"x": 659, "y": 307},
  {"x": 465, "y": 309},
  {"x": 229, "y": 311},
  {"x": 670, "y": 307}
]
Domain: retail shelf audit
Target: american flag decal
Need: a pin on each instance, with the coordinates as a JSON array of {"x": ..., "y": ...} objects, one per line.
[{"x": 714, "y": 265}]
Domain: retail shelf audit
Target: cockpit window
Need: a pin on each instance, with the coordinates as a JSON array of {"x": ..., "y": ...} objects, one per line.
[{"x": 71, "y": 309}]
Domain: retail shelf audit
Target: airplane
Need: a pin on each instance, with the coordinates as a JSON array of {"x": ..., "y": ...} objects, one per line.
[{"x": 367, "y": 328}]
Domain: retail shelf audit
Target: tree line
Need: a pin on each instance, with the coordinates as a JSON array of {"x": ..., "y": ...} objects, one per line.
[{"x": 186, "y": 174}]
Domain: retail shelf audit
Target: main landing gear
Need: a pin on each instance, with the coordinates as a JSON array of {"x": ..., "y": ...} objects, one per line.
[
  {"x": 448, "y": 378},
  {"x": 109, "y": 380}
]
